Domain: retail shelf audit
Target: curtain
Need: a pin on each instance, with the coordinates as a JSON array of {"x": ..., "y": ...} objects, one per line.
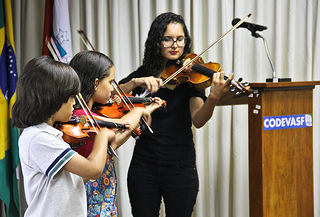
[{"x": 118, "y": 28}]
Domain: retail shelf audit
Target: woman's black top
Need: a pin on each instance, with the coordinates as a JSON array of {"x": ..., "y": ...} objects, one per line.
[{"x": 172, "y": 140}]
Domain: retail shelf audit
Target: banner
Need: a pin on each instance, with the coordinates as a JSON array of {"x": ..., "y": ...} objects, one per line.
[
  {"x": 9, "y": 153},
  {"x": 57, "y": 30}
]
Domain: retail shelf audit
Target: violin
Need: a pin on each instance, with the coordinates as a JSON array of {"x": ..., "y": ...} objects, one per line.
[
  {"x": 78, "y": 129},
  {"x": 198, "y": 73},
  {"x": 75, "y": 132},
  {"x": 113, "y": 109}
]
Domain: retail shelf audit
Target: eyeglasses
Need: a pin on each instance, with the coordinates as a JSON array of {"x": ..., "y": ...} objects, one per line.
[{"x": 168, "y": 41}]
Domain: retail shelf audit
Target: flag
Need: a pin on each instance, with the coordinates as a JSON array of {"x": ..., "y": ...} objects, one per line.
[
  {"x": 57, "y": 29},
  {"x": 9, "y": 153}
]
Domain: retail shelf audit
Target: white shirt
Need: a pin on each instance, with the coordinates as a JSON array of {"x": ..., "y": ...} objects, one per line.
[{"x": 49, "y": 190}]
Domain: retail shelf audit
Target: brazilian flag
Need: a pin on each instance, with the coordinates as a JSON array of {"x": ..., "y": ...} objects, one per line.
[{"x": 9, "y": 154}]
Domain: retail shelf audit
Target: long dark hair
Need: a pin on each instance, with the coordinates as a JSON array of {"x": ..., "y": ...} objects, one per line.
[
  {"x": 153, "y": 60},
  {"x": 42, "y": 88},
  {"x": 90, "y": 65}
]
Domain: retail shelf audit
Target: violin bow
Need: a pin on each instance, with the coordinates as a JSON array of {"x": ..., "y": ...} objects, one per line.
[
  {"x": 53, "y": 50},
  {"x": 85, "y": 40},
  {"x": 119, "y": 90}
]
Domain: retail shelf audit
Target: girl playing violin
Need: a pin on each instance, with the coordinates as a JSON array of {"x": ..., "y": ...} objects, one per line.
[
  {"x": 97, "y": 72},
  {"x": 163, "y": 164},
  {"x": 53, "y": 173}
]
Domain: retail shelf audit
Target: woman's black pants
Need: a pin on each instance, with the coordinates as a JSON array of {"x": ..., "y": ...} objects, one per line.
[{"x": 178, "y": 185}]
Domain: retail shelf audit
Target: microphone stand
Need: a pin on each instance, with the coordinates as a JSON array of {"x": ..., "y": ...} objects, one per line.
[{"x": 274, "y": 77}]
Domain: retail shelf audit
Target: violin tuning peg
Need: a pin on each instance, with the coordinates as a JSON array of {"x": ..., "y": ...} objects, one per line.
[
  {"x": 238, "y": 93},
  {"x": 246, "y": 84},
  {"x": 240, "y": 79},
  {"x": 82, "y": 119},
  {"x": 232, "y": 89}
]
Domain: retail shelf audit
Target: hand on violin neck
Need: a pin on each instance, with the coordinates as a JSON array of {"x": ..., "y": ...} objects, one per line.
[
  {"x": 219, "y": 85},
  {"x": 151, "y": 83}
]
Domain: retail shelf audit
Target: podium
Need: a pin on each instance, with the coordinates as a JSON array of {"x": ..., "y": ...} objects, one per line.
[{"x": 280, "y": 148}]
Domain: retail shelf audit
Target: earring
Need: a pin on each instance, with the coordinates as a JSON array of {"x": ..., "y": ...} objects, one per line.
[{"x": 96, "y": 82}]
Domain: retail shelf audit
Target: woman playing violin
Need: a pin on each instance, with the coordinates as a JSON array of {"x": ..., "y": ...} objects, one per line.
[
  {"x": 163, "y": 164},
  {"x": 96, "y": 72}
]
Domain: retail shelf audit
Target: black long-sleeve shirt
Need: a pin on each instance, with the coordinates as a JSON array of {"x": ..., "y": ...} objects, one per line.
[{"x": 172, "y": 140}]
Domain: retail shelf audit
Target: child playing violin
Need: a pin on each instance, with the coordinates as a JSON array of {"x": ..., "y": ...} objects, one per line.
[
  {"x": 53, "y": 172},
  {"x": 97, "y": 72}
]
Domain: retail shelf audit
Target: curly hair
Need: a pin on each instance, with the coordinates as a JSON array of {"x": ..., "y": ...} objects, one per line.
[
  {"x": 90, "y": 65},
  {"x": 43, "y": 87},
  {"x": 153, "y": 60}
]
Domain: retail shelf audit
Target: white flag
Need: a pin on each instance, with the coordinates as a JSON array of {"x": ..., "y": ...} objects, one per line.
[{"x": 61, "y": 30}]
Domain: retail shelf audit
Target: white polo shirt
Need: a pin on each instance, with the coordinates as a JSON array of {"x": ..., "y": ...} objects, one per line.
[{"x": 49, "y": 190}]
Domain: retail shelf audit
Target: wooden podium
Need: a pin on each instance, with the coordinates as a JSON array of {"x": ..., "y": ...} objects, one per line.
[{"x": 280, "y": 160}]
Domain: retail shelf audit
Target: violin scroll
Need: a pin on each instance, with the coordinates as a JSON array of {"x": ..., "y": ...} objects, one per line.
[{"x": 240, "y": 88}]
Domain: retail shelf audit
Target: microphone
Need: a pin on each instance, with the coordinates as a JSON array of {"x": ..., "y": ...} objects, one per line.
[{"x": 251, "y": 26}]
